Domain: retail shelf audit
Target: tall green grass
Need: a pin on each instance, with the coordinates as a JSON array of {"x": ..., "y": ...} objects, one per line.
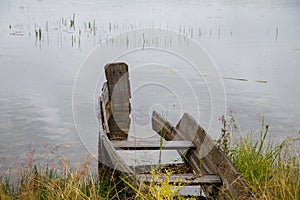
[
  {"x": 64, "y": 182},
  {"x": 271, "y": 171}
]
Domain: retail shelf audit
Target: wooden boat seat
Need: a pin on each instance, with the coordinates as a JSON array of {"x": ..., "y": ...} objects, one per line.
[
  {"x": 184, "y": 179},
  {"x": 153, "y": 145}
]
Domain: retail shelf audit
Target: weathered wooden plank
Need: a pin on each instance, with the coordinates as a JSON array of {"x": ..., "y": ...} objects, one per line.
[
  {"x": 121, "y": 107},
  {"x": 117, "y": 81},
  {"x": 120, "y": 115},
  {"x": 162, "y": 126},
  {"x": 149, "y": 159},
  {"x": 189, "y": 190},
  {"x": 124, "y": 123},
  {"x": 213, "y": 157},
  {"x": 190, "y": 179},
  {"x": 147, "y": 168},
  {"x": 116, "y": 95},
  {"x": 118, "y": 130},
  {"x": 120, "y": 92},
  {"x": 167, "y": 131},
  {"x": 114, "y": 71},
  {"x": 153, "y": 145}
]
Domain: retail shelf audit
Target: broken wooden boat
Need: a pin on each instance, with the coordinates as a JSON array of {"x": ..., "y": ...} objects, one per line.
[{"x": 207, "y": 170}]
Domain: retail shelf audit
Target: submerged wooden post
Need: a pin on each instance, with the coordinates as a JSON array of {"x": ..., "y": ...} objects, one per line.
[{"x": 116, "y": 99}]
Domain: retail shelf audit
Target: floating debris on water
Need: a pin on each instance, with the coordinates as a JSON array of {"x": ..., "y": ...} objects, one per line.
[
  {"x": 236, "y": 79},
  {"x": 261, "y": 81}
]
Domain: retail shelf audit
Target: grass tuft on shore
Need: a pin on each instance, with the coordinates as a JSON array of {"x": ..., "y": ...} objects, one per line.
[
  {"x": 63, "y": 182},
  {"x": 271, "y": 171}
]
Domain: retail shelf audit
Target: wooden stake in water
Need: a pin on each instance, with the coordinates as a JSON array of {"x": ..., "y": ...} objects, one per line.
[{"x": 276, "y": 33}]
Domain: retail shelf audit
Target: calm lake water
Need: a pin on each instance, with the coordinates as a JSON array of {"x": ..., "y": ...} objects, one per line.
[{"x": 255, "y": 46}]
